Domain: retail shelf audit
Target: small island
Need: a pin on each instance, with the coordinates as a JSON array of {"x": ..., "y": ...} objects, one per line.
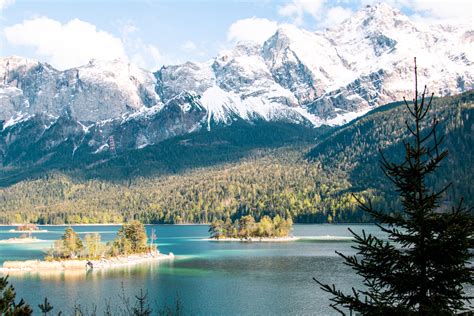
[
  {"x": 71, "y": 252},
  {"x": 28, "y": 228},
  {"x": 248, "y": 230},
  {"x": 24, "y": 239}
]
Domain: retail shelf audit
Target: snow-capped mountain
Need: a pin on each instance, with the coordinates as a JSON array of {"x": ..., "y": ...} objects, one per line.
[{"x": 296, "y": 76}]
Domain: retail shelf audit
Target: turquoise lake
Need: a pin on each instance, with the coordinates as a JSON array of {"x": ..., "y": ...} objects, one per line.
[{"x": 210, "y": 278}]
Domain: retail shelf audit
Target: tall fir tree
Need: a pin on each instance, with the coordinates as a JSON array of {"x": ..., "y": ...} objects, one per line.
[{"x": 424, "y": 265}]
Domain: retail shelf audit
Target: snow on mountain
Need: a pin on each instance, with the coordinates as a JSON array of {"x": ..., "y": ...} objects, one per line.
[
  {"x": 386, "y": 42},
  {"x": 90, "y": 93},
  {"x": 311, "y": 78}
]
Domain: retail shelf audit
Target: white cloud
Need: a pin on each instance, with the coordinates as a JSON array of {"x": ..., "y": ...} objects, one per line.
[
  {"x": 189, "y": 46},
  {"x": 321, "y": 11},
  {"x": 335, "y": 16},
  {"x": 329, "y": 13},
  {"x": 297, "y": 9},
  {"x": 252, "y": 29},
  {"x": 144, "y": 55},
  {"x": 6, "y": 3},
  {"x": 450, "y": 10},
  {"x": 147, "y": 56},
  {"x": 76, "y": 42},
  {"x": 441, "y": 10},
  {"x": 65, "y": 45}
]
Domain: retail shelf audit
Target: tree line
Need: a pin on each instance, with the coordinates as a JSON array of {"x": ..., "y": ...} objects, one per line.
[{"x": 131, "y": 239}]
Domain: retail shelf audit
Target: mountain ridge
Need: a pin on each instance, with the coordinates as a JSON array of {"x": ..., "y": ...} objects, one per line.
[{"x": 295, "y": 77}]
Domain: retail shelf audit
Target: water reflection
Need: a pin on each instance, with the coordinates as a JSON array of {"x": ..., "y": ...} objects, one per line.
[{"x": 212, "y": 278}]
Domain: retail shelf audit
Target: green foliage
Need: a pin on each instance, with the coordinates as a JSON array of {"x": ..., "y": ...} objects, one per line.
[
  {"x": 69, "y": 247},
  {"x": 423, "y": 267},
  {"x": 131, "y": 238},
  {"x": 72, "y": 243},
  {"x": 8, "y": 306},
  {"x": 270, "y": 182},
  {"x": 217, "y": 229},
  {"x": 46, "y": 307},
  {"x": 246, "y": 227},
  {"x": 142, "y": 308},
  {"x": 94, "y": 248},
  {"x": 353, "y": 149}
]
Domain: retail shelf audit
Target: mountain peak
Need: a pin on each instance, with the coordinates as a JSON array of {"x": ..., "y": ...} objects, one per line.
[
  {"x": 290, "y": 31},
  {"x": 379, "y": 17},
  {"x": 381, "y": 8}
]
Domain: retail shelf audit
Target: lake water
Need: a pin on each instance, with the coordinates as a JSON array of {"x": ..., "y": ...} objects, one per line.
[{"x": 211, "y": 278}]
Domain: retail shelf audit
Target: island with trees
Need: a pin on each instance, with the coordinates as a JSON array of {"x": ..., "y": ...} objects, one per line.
[
  {"x": 246, "y": 228},
  {"x": 130, "y": 246},
  {"x": 26, "y": 237},
  {"x": 28, "y": 228}
]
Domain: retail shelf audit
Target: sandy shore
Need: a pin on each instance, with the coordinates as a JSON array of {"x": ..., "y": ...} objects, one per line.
[
  {"x": 122, "y": 261},
  {"x": 257, "y": 239},
  {"x": 20, "y": 241}
]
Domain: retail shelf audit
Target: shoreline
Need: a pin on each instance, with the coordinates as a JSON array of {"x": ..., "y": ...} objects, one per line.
[
  {"x": 186, "y": 224},
  {"x": 256, "y": 239},
  {"x": 20, "y": 241},
  {"x": 80, "y": 264}
]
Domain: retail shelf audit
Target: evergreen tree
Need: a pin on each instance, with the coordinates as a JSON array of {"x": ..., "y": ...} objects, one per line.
[
  {"x": 423, "y": 266},
  {"x": 72, "y": 243},
  {"x": 246, "y": 226},
  {"x": 141, "y": 307},
  {"x": 216, "y": 229},
  {"x": 132, "y": 238},
  {"x": 46, "y": 307},
  {"x": 8, "y": 306}
]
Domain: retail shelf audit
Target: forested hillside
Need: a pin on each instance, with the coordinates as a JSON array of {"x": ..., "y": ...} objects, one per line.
[
  {"x": 353, "y": 150},
  {"x": 270, "y": 182},
  {"x": 205, "y": 177},
  {"x": 176, "y": 155}
]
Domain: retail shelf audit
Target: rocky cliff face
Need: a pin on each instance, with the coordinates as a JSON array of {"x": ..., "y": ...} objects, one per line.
[{"x": 296, "y": 76}]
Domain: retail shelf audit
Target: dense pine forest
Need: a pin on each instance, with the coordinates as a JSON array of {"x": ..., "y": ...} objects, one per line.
[
  {"x": 273, "y": 182},
  {"x": 353, "y": 150},
  {"x": 310, "y": 180}
]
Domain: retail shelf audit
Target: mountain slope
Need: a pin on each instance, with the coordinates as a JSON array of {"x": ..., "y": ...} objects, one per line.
[
  {"x": 354, "y": 148},
  {"x": 174, "y": 155}
]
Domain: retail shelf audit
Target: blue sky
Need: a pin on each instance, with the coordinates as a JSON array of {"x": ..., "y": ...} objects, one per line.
[{"x": 152, "y": 33}]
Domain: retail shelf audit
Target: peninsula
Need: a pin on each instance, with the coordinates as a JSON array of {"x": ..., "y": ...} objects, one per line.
[{"x": 130, "y": 247}]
